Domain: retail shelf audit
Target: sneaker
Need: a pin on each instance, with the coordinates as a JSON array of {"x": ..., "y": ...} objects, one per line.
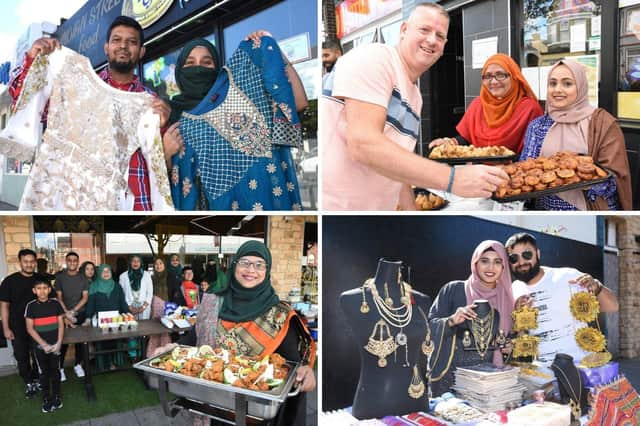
[
  {"x": 63, "y": 378},
  {"x": 36, "y": 385},
  {"x": 47, "y": 407},
  {"x": 56, "y": 403},
  {"x": 29, "y": 391},
  {"x": 79, "y": 370}
]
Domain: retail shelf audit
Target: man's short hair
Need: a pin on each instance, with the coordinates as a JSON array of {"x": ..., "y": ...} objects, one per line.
[
  {"x": 42, "y": 280},
  {"x": 187, "y": 268},
  {"x": 438, "y": 8},
  {"x": 333, "y": 45},
  {"x": 126, "y": 21},
  {"x": 521, "y": 238},
  {"x": 26, "y": 252},
  {"x": 72, "y": 253}
]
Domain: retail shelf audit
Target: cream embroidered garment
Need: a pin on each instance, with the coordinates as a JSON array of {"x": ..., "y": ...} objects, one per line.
[{"x": 92, "y": 131}]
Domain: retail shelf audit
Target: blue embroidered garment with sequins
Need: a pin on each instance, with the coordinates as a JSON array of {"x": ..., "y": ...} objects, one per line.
[
  {"x": 238, "y": 140},
  {"x": 533, "y": 140}
]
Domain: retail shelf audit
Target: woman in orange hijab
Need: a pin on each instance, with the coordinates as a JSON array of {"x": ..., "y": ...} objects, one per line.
[{"x": 502, "y": 112}]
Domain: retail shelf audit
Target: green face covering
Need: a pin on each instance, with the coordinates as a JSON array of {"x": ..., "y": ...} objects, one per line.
[{"x": 194, "y": 82}]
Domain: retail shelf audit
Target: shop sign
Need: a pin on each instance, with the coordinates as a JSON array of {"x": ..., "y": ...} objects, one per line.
[
  {"x": 354, "y": 14},
  {"x": 146, "y": 12},
  {"x": 629, "y": 105},
  {"x": 86, "y": 31}
]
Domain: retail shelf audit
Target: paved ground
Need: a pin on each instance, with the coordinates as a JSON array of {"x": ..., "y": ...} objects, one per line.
[{"x": 154, "y": 416}]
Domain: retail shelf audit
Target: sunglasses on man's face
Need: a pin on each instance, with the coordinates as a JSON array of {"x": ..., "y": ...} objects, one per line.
[{"x": 526, "y": 255}]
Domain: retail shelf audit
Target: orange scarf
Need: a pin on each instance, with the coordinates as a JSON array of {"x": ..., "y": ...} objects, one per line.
[
  {"x": 264, "y": 335},
  {"x": 498, "y": 111}
]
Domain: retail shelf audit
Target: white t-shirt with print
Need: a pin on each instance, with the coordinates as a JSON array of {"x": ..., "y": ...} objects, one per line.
[{"x": 556, "y": 325}]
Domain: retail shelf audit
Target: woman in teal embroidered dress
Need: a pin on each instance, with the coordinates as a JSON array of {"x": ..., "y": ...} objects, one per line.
[{"x": 238, "y": 133}]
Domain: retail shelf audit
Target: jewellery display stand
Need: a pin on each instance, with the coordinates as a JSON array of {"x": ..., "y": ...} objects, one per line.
[
  {"x": 570, "y": 382},
  {"x": 482, "y": 331},
  {"x": 385, "y": 390}
]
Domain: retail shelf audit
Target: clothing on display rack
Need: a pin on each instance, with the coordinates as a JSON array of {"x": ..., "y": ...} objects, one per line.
[{"x": 92, "y": 131}]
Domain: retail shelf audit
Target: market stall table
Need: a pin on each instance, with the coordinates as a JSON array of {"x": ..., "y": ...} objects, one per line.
[{"x": 86, "y": 335}]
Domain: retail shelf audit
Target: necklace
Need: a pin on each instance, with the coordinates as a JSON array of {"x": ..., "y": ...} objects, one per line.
[
  {"x": 574, "y": 402},
  {"x": 381, "y": 347},
  {"x": 453, "y": 350},
  {"x": 482, "y": 330},
  {"x": 398, "y": 317}
]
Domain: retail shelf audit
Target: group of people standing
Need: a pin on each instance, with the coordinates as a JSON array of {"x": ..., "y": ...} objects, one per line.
[
  {"x": 509, "y": 276},
  {"x": 233, "y": 151},
  {"x": 242, "y": 299},
  {"x": 371, "y": 122}
]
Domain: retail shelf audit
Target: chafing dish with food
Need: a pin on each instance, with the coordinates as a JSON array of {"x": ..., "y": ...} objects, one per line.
[{"x": 218, "y": 377}]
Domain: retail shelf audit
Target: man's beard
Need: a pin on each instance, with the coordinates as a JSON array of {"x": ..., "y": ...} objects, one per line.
[
  {"x": 122, "y": 67},
  {"x": 528, "y": 275}
]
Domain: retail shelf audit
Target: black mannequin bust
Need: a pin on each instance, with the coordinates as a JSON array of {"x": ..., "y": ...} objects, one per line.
[
  {"x": 383, "y": 391},
  {"x": 570, "y": 381}
]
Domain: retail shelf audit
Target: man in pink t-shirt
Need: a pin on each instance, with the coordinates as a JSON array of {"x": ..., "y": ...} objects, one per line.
[{"x": 371, "y": 118}]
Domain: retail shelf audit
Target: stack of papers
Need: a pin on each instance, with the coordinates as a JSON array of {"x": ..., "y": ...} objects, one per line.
[{"x": 488, "y": 388}]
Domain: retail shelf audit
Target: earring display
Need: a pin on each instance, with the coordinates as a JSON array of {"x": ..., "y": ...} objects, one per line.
[
  {"x": 416, "y": 387},
  {"x": 387, "y": 299},
  {"x": 381, "y": 347},
  {"x": 364, "y": 307},
  {"x": 466, "y": 339}
]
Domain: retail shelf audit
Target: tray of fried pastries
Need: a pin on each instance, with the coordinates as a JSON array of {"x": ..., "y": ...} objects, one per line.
[
  {"x": 462, "y": 154},
  {"x": 533, "y": 178},
  {"x": 216, "y": 376},
  {"x": 427, "y": 200}
]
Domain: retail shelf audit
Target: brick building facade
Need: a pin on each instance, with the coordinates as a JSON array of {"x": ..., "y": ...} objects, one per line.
[{"x": 628, "y": 232}]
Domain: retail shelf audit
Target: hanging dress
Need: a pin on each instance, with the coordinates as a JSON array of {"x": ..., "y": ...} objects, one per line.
[
  {"x": 238, "y": 140},
  {"x": 92, "y": 131}
]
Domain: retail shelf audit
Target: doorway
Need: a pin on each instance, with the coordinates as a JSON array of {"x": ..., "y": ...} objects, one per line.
[{"x": 448, "y": 104}]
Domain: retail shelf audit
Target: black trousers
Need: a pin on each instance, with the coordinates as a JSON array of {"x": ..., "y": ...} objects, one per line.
[
  {"x": 49, "y": 372},
  {"x": 22, "y": 352},
  {"x": 79, "y": 346}
]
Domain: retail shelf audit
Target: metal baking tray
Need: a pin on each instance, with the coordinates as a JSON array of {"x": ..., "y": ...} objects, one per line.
[
  {"x": 475, "y": 160},
  {"x": 417, "y": 191},
  {"x": 262, "y": 404},
  {"x": 550, "y": 191}
]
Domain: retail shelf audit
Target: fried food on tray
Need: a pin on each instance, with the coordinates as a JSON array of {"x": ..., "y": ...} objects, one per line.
[
  {"x": 448, "y": 151},
  {"x": 223, "y": 366},
  {"x": 563, "y": 168},
  {"x": 429, "y": 201}
]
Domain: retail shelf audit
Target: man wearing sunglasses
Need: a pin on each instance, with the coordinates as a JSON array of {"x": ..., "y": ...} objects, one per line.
[{"x": 550, "y": 290}]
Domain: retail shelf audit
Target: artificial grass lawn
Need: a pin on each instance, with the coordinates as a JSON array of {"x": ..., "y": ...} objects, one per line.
[{"x": 115, "y": 391}]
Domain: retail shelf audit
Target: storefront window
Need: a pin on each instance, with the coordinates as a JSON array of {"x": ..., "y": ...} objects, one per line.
[
  {"x": 52, "y": 248},
  {"x": 629, "y": 78},
  {"x": 159, "y": 74},
  {"x": 391, "y": 32},
  {"x": 554, "y": 30},
  {"x": 630, "y": 49}
]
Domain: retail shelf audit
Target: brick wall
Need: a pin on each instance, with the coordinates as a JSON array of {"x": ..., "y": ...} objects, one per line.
[
  {"x": 18, "y": 234},
  {"x": 286, "y": 239},
  {"x": 629, "y": 297}
]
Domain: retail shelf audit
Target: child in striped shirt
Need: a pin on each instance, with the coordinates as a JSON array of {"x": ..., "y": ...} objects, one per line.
[{"x": 45, "y": 325}]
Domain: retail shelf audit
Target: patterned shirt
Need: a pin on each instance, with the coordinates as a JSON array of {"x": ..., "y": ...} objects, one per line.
[
  {"x": 138, "y": 175},
  {"x": 533, "y": 139}
]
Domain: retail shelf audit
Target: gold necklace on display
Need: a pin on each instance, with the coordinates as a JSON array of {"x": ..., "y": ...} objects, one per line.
[
  {"x": 482, "y": 330},
  {"x": 381, "y": 347},
  {"x": 574, "y": 402},
  {"x": 446, "y": 368}
]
